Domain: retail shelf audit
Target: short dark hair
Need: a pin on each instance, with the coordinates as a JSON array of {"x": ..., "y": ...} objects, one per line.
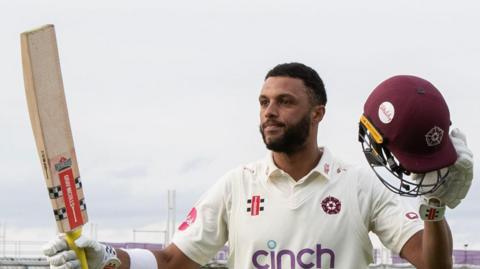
[{"x": 308, "y": 75}]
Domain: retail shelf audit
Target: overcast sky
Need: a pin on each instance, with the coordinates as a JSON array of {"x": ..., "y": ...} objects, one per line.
[{"x": 163, "y": 94}]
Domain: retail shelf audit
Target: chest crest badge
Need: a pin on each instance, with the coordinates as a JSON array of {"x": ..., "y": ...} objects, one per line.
[{"x": 331, "y": 205}]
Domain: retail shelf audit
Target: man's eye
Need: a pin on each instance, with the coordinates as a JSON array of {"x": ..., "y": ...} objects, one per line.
[{"x": 263, "y": 102}]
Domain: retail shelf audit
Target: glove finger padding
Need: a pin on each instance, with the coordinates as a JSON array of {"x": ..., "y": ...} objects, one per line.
[
  {"x": 75, "y": 264},
  {"x": 464, "y": 154},
  {"x": 461, "y": 173},
  {"x": 62, "y": 258},
  {"x": 458, "y": 183},
  {"x": 55, "y": 246},
  {"x": 84, "y": 242},
  {"x": 456, "y": 133}
]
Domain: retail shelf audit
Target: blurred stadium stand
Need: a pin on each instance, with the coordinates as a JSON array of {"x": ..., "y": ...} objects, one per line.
[{"x": 27, "y": 255}]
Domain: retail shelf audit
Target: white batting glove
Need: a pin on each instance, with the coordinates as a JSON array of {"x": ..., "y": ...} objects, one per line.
[
  {"x": 99, "y": 256},
  {"x": 459, "y": 178}
]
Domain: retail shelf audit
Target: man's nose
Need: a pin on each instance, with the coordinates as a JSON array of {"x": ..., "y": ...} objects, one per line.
[{"x": 271, "y": 110}]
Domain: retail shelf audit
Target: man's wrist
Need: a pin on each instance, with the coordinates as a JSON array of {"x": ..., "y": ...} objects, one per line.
[
  {"x": 124, "y": 258},
  {"x": 110, "y": 258},
  {"x": 431, "y": 209}
]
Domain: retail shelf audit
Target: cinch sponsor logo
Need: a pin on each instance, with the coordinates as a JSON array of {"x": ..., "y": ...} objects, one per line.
[{"x": 285, "y": 258}]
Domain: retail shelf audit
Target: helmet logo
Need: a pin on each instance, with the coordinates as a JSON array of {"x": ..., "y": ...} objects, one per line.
[
  {"x": 434, "y": 136},
  {"x": 386, "y": 111}
]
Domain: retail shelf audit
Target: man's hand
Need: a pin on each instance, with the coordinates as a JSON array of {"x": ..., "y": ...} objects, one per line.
[
  {"x": 459, "y": 178},
  {"x": 99, "y": 256}
]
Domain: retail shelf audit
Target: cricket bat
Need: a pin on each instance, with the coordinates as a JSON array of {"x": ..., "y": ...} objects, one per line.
[{"x": 51, "y": 128}]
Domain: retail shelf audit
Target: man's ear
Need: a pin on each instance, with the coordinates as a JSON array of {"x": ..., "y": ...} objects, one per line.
[{"x": 318, "y": 111}]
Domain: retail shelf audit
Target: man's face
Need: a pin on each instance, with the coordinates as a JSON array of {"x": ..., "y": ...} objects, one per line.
[{"x": 285, "y": 119}]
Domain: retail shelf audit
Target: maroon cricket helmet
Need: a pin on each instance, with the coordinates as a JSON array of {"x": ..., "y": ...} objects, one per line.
[
  {"x": 414, "y": 120},
  {"x": 407, "y": 117}
]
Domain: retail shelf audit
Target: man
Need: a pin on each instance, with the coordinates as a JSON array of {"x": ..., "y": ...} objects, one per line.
[{"x": 299, "y": 207}]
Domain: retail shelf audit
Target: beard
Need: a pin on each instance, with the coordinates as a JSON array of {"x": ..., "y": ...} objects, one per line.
[{"x": 293, "y": 138}]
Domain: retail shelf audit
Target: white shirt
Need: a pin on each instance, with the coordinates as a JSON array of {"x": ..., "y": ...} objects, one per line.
[{"x": 273, "y": 222}]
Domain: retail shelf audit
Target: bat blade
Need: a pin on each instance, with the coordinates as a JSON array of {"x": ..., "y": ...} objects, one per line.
[{"x": 51, "y": 128}]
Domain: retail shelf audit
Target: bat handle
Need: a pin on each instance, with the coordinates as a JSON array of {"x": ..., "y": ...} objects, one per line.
[{"x": 71, "y": 237}]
